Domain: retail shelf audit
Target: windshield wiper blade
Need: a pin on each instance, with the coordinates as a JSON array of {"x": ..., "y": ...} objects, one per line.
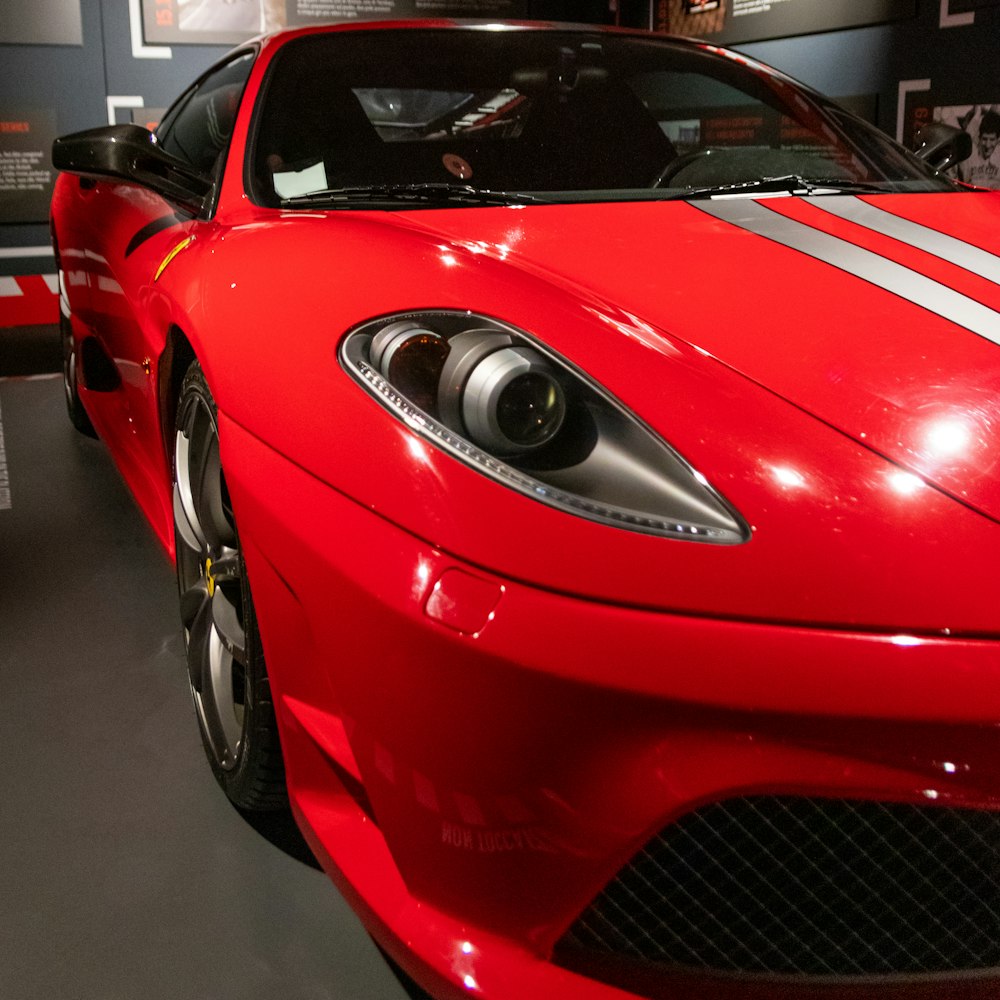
[
  {"x": 792, "y": 183},
  {"x": 415, "y": 193}
]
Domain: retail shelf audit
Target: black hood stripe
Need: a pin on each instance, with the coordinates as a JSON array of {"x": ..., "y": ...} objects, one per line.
[
  {"x": 966, "y": 255},
  {"x": 931, "y": 295},
  {"x": 151, "y": 229}
]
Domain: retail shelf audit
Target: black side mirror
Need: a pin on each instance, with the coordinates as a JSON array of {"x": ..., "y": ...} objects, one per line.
[
  {"x": 943, "y": 146},
  {"x": 130, "y": 153}
]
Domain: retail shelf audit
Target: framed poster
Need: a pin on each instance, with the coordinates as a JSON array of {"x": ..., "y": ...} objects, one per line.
[
  {"x": 26, "y": 172},
  {"x": 41, "y": 22},
  {"x": 229, "y": 22},
  {"x": 982, "y": 122},
  {"x": 980, "y": 119},
  {"x": 734, "y": 21}
]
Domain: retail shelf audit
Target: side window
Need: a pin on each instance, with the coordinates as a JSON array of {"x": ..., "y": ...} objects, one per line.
[{"x": 197, "y": 130}]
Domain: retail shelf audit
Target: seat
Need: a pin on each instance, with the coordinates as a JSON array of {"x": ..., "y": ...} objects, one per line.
[{"x": 326, "y": 134}]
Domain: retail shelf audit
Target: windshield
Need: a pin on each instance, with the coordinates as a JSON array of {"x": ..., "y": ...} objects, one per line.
[{"x": 564, "y": 115}]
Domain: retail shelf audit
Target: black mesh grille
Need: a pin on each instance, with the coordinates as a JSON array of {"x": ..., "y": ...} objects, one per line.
[{"x": 808, "y": 886}]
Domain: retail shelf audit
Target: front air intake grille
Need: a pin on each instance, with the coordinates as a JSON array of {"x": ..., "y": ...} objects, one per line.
[{"x": 807, "y": 886}]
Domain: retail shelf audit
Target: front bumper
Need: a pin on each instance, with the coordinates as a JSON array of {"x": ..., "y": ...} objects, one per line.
[{"x": 473, "y": 759}]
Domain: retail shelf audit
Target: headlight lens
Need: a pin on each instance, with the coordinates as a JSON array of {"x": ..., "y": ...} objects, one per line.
[{"x": 505, "y": 404}]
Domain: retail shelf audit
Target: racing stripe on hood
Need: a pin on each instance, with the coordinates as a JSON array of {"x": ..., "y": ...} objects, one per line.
[
  {"x": 755, "y": 217},
  {"x": 938, "y": 244}
]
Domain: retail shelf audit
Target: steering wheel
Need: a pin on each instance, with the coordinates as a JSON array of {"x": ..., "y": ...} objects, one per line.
[{"x": 675, "y": 166}]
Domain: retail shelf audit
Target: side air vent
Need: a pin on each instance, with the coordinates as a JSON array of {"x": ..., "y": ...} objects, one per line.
[{"x": 100, "y": 373}]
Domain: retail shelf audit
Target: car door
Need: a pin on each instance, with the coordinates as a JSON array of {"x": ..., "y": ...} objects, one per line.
[{"x": 129, "y": 233}]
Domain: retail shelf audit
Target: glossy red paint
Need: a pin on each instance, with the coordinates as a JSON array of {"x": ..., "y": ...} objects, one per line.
[
  {"x": 486, "y": 705},
  {"x": 565, "y": 733},
  {"x": 761, "y": 453}
]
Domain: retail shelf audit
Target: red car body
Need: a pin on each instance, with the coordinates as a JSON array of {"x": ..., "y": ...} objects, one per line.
[{"x": 488, "y": 706}]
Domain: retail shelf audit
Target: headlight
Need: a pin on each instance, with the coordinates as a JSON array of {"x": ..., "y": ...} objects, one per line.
[{"x": 498, "y": 400}]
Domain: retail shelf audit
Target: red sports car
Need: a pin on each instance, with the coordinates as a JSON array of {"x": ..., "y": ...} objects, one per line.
[{"x": 580, "y": 452}]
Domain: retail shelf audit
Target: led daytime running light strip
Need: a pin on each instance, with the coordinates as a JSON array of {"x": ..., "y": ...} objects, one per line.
[{"x": 420, "y": 422}]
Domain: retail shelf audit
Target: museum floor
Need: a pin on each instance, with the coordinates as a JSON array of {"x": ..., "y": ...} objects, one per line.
[{"x": 124, "y": 872}]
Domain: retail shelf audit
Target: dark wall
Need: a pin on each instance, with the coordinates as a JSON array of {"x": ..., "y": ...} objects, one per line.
[{"x": 957, "y": 61}]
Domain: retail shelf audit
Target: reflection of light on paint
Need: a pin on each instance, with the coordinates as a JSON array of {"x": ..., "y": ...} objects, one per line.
[
  {"x": 513, "y": 236},
  {"x": 788, "y": 477},
  {"x": 636, "y": 329},
  {"x": 947, "y": 438},
  {"x": 949, "y": 767},
  {"x": 930, "y": 793},
  {"x": 501, "y": 250},
  {"x": 906, "y": 640},
  {"x": 418, "y": 450},
  {"x": 463, "y": 962},
  {"x": 423, "y": 577},
  {"x": 905, "y": 483},
  {"x": 448, "y": 260}
]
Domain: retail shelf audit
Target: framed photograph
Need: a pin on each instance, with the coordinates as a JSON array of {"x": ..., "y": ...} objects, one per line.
[
  {"x": 210, "y": 22},
  {"x": 982, "y": 122},
  {"x": 978, "y": 114}
]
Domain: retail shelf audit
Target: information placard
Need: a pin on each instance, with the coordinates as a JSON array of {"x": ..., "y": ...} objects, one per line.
[
  {"x": 26, "y": 171},
  {"x": 229, "y": 22}
]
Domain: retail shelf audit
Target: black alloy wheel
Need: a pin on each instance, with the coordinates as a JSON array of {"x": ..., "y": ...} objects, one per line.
[{"x": 229, "y": 682}]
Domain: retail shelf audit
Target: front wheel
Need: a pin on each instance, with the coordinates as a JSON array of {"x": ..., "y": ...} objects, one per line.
[{"x": 229, "y": 682}]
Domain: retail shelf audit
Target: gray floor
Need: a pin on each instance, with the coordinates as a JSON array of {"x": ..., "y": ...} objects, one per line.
[{"x": 124, "y": 872}]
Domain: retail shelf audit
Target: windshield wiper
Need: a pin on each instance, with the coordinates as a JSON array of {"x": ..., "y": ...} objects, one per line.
[
  {"x": 429, "y": 193},
  {"x": 791, "y": 183}
]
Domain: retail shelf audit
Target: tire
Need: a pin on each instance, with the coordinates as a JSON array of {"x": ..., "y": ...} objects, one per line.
[
  {"x": 228, "y": 677},
  {"x": 77, "y": 414}
]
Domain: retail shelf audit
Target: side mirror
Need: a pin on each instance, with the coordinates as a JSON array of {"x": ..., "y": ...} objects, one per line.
[
  {"x": 130, "y": 153},
  {"x": 943, "y": 146}
]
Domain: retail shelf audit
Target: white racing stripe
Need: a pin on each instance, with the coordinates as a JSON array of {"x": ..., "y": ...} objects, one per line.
[
  {"x": 966, "y": 255},
  {"x": 908, "y": 284}
]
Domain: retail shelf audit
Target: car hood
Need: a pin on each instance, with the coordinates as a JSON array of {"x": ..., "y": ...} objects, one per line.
[{"x": 879, "y": 316}]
